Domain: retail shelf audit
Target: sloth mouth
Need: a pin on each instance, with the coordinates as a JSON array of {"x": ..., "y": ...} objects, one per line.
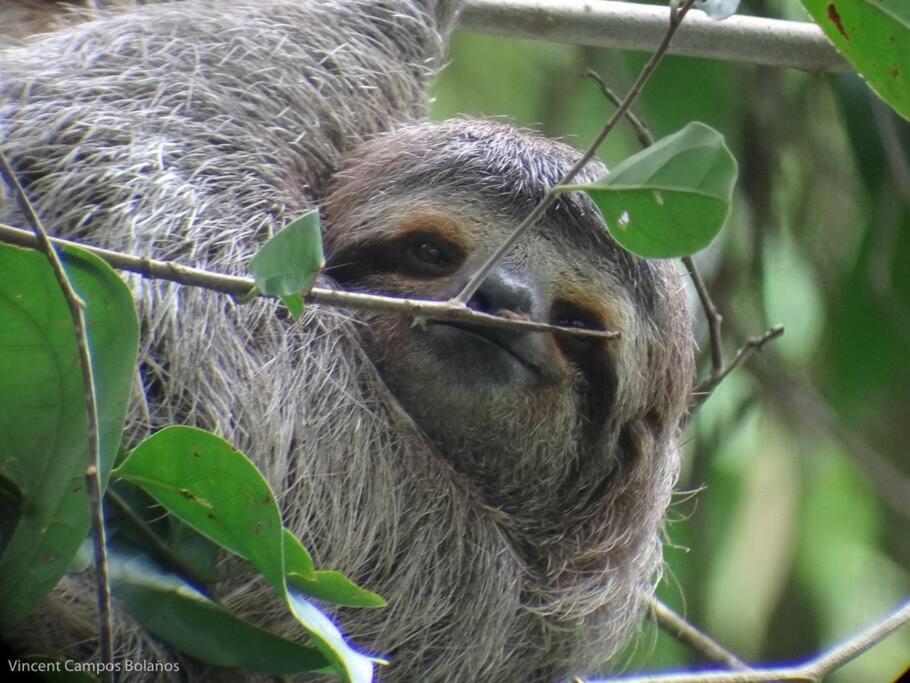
[{"x": 515, "y": 346}]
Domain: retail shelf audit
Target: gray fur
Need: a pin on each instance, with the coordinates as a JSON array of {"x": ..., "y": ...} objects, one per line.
[{"x": 193, "y": 131}]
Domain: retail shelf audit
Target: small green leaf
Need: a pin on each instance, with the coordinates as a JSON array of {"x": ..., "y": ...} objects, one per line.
[
  {"x": 294, "y": 302},
  {"x": 670, "y": 199},
  {"x": 336, "y": 588},
  {"x": 288, "y": 263},
  {"x": 874, "y": 36},
  {"x": 173, "y": 610},
  {"x": 251, "y": 295},
  {"x": 326, "y": 585},
  {"x": 43, "y": 423},
  {"x": 297, "y": 560}
]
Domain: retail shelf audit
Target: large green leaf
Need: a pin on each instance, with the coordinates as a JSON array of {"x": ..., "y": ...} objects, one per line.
[
  {"x": 43, "y": 424},
  {"x": 218, "y": 491},
  {"x": 874, "y": 35},
  {"x": 175, "y": 611},
  {"x": 670, "y": 199},
  {"x": 215, "y": 489}
]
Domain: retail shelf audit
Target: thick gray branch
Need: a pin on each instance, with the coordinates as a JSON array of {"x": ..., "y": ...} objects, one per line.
[{"x": 628, "y": 26}]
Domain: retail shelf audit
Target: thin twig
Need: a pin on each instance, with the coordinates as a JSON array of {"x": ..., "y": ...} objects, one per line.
[
  {"x": 549, "y": 198},
  {"x": 642, "y": 132},
  {"x": 683, "y": 631},
  {"x": 753, "y": 344},
  {"x": 813, "y": 671},
  {"x": 241, "y": 286},
  {"x": 715, "y": 319},
  {"x": 880, "y": 266},
  {"x": 93, "y": 466}
]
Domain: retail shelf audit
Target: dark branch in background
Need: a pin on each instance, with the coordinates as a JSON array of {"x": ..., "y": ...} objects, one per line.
[
  {"x": 803, "y": 403},
  {"x": 240, "y": 287},
  {"x": 676, "y": 17},
  {"x": 813, "y": 671},
  {"x": 887, "y": 228},
  {"x": 93, "y": 466}
]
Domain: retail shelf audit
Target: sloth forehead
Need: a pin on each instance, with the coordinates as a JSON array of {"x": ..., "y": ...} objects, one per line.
[{"x": 493, "y": 174}]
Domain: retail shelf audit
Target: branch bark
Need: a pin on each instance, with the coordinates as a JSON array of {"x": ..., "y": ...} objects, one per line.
[
  {"x": 628, "y": 26},
  {"x": 240, "y": 287}
]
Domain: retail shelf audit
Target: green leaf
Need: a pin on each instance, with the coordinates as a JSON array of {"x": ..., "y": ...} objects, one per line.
[
  {"x": 43, "y": 424},
  {"x": 288, "y": 263},
  {"x": 874, "y": 36},
  {"x": 294, "y": 302},
  {"x": 297, "y": 560},
  {"x": 335, "y": 587},
  {"x": 194, "y": 549},
  {"x": 671, "y": 199},
  {"x": 215, "y": 489},
  {"x": 218, "y": 491},
  {"x": 173, "y": 610}
]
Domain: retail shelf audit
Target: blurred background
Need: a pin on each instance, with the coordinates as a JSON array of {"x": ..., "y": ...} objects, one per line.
[{"x": 791, "y": 529}]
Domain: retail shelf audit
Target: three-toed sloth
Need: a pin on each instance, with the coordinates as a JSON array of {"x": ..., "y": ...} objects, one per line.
[{"x": 504, "y": 490}]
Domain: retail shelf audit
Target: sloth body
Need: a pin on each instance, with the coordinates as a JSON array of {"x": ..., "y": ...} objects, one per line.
[{"x": 503, "y": 491}]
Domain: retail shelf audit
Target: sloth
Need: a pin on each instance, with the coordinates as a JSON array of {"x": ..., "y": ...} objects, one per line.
[{"x": 504, "y": 490}]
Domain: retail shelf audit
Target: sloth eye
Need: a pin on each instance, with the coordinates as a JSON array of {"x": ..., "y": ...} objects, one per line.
[
  {"x": 566, "y": 314},
  {"x": 427, "y": 255},
  {"x": 570, "y": 315}
]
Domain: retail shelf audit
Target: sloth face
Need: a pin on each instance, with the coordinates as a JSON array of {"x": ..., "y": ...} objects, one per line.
[{"x": 414, "y": 214}]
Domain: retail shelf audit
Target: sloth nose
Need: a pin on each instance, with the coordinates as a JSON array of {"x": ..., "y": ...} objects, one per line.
[{"x": 504, "y": 291}]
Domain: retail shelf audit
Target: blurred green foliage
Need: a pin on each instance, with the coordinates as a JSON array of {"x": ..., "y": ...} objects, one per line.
[{"x": 791, "y": 530}]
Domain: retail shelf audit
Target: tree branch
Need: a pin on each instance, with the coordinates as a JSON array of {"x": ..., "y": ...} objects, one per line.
[
  {"x": 241, "y": 286},
  {"x": 687, "y": 634},
  {"x": 813, "y": 671},
  {"x": 715, "y": 319},
  {"x": 628, "y": 26}
]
